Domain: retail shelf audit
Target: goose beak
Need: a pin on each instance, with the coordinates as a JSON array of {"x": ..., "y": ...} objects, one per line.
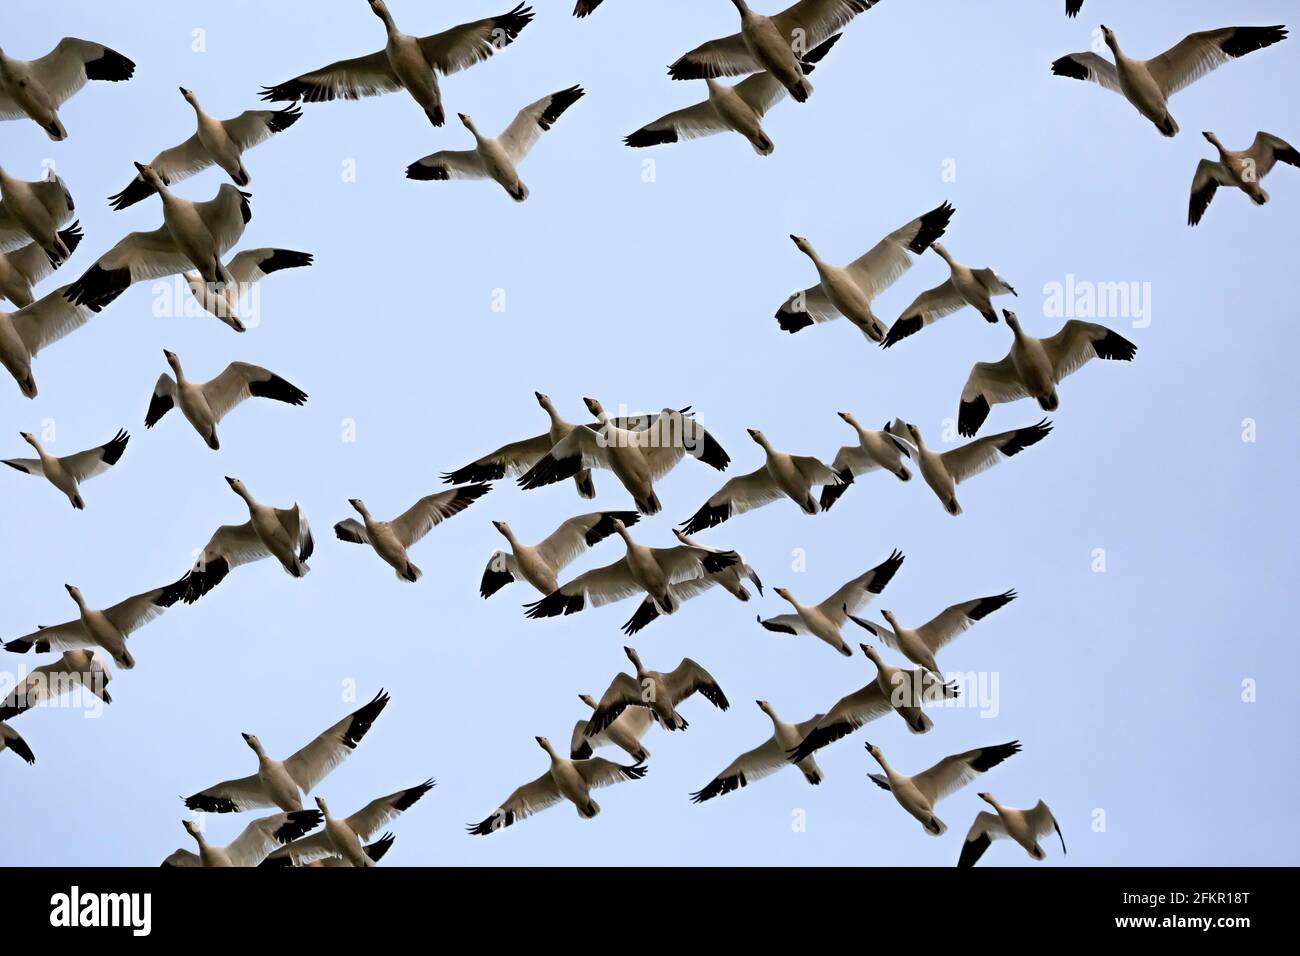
[
  {"x": 844, "y": 415},
  {"x": 139, "y": 167},
  {"x": 247, "y": 737},
  {"x": 69, "y": 588},
  {"x": 231, "y": 481}
]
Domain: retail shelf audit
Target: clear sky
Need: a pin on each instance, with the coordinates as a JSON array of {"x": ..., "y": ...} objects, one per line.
[{"x": 1125, "y": 686}]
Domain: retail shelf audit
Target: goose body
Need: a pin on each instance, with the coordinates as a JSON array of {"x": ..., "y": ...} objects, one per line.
[
  {"x": 23, "y": 268},
  {"x": 35, "y": 211},
  {"x": 37, "y": 88},
  {"x": 391, "y": 539},
  {"x": 1025, "y": 827},
  {"x": 767, "y": 758},
  {"x": 730, "y": 578},
  {"x": 76, "y": 668},
  {"x": 1243, "y": 169},
  {"x": 918, "y": 794},
  {"x": 920, "y": 644},
  {"x": 658, "y": 691},
  {"x": 342, "y": 840},
  {"x": 23, "y": 334},
  {"x": 624, "y": 732},
  {"x": 107, "y": 629},
  {"x": 67, "y": 473},
  {"x": 252, "y": 846},
  {"x": 875, "y": 449},
  {"x": 964, "y": 287},
  {"x": 540, "y": 564}
]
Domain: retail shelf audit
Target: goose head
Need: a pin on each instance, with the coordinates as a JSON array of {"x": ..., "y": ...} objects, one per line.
[
  {"x": 151, "y": 176},
  {"x": 594, "y": 407},
  {"x": 189, "y": 97},
  {"x": 192, "y": 828},
  {"x": 543, "y": 399},
  {"x": 254, "y": 744},
  {"x": 620, "y": 529},
  {"x": 987, "y": 798},
  {"x": 848, "y": 418},
  {"x": 683, "y": 537},
  {"x": 320, "y": 805},
  {"x": 1013, "y": 323},
  {"x": 785, "y": 593},
  {"x": 871, "y": 653},
  {"x": 173, "y": 360},
  {"x": 358, "y": 506},
  {"x": 588, "y": 700},
  {"x": 764, "y": 706},
  {"x": 1213, "y": 140},
  {"x": 29, "y": 438},
  {"x": 502, "y": 527},
  {"x": 758, "y": 436},
  {"x": 236, "y": 486},
  {"x": 802, "y": 244},
  {"x": 468, "y": 122},
  {"x": 914, "y": 433},
  {"x": 380, "y": 9},
  {"x": 1108, "y": 35},
  {"x": 75, "y": 593},
  {"x": 545, "y": 745},
  {"x": 893, "y": 621},
  {"x": 634, "y": 657},
  {"x": 875, "y": 752}
]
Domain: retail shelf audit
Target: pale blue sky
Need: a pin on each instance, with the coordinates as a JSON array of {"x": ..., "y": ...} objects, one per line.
[{"x": 1125, "y": 687}]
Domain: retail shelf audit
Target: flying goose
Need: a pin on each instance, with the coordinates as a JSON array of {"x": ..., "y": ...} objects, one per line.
[
  {"x": 1023, "y": 826},
  {"x": 246, "y": 269},
  {"x": 37, "y": 88},
  {"x": 22, "y": 269},
  {"x": 194, "y": 235},
  {"x": 1148, "y": 84},
  {"x": 269, "y": 532},
  {"x": 653, "y": 571},
  {"x": 823, "y": 621},
  {"x": 892, "y": 689},
  {"x": 944, "y": 470},
  {"x": 344, "y": 838},
  {"x": 540, "y": 564},
  {"x": 624, "y": 732},
  {"x": 406, "y": 62},
  {"x": 35, "y": 211},
  {"x": 919, "y": 645},
  {"x": 252, "y": 846},
  {"x": 875, "y": 449},
  {"x": 108, "y": 629},
  {"x": 731, "y": 579},
  {"x": 919, "y": 793},
  {"x": 771, "y": 43},
  {"x": 376, "y": 851},
  {"x": 780, "y": 475},
  {"x": 204, "y": 404},
  {"x": 738, "y": 108},
  {"x": 282, "y": 783},
  {"x": 1242, "y": 169},
  {"x": 768, "y": 757},
  {"x": 564, "y": 779},
  {"x": 657, "y": 691},
  {"x": 497, "y": 159},
  {"x": 216, "y": 143},
  {"x": 68, "y": 472},
  {"x": 638, "y": 455},
  {"x": 10, "y": 739},
  {"x": 24, "y": 333},
  {"x": 75, "y": 668},
  {"x": 848, "y": 291},
  {"x": 1034, "y": 367},
  {"x": 390, "y": 539},
  {"x": 965, "y": 286}
]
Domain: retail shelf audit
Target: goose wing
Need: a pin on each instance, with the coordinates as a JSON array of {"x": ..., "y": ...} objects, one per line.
[
  {"x": 53, "y": 680},
  {"x": 414, "y": 523},
  {"x": 138, "y": 610},
  {"x": 947, "y": 624},
  {"x": 254, "y": 265},
  {"x": 814, "y": 21},
  {"x": 174, "y": 165},
  {"x": 67, "y": 636},
  {"x": 1268, "y": 150},
  {"x": 502, "y": 568},
  {"x": 926, "y": 309},
  {"x": 257, "y": 126},
  {"x": 691, "y": 122},
  {"x": 1199, "y": 53},
  {"x": 48, "y": 319},
  {"x": 448, "y": 164},
  {"x": 535, "y": 119},
  {"x": 139, "y": 256},
  {"x": 1042, "y": 822},
  {"x": 240, "y": 381},
  {"x": 309, "y": 766},
  {"x": 350, "y": 79},
  {"x": 73, "y": 62},
  {"x": 623, "y": 692},
  {"x": 785, "y": 624},
  {"x": 986, "y": 828},
  {"x": 50, "y": 192},
  {"x": 378, "y": 813},
  {"x": 736, "y": 496},
  {"x": 1079, "y": 341},
  {"x": 599, "y": 586},
  {"x": 95, "y": 461},
  {"x": 231, "y": 796},
  {"x": 180, "y": 857},
  {"x": 983, "y": 453},
  {"x": 880, "y": 266},
  {"x": 531, "y": 798},
  {"x": 226, "y": 215},
  {"x": 647, "y": 611},
  {"x": 952, "y": 773},
  {"x": 1090, "y": 67},
  {"x": 32, "y": 261},
  {"x": 584, "y": 447},
  {"x": 804, "y": 308},
  {"x": 469, "y": 43},
  {"x": 262, "y": 836},
  {"x": 855, "y": 594},
  {"x": 599, "y": 772},
  {"x": 849, "y": 714},
  {"x": 766, "y": 758},
  {"x": 576, "y": 535},
  {"x": 688, "y": 678},
  {"x": 682, "y": 563},
  {"x": 727, "y": 56},
  {"x": 512, "y": 459},
  {"x": 295, "y": 525},
  {"x": 989, "y": 383}
]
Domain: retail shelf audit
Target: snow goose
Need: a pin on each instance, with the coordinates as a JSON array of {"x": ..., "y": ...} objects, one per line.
[
  {"x": 892, "y": 689},
  {"x": 497, "y": 159},
  {"x": 1148, "y": 84},
  {"x": 564, "y": 779},
  {"x": 848, "y": 291},
  {"x": 653, "y": 571},
  {"x": 204, "y": 404},
  {"x": 637, "y": 453},
  {"x": 216, "y": 143},
  {"x": 919, "y": 793},
  {"x": 390, "y": 539},
  {"x": 1023, "y": 826},
  {"x": 194, "y": 235},
  {"x": 279, "y": 533},
  {"x": 10, "y": 739},
  {"x": 252, "y": 846},
  {"x": 77, "y": 668},
  {"x": 37, "y": 88},
  {"x": 24, "y": 333},
  {"x": 22, "y": 269},
  {"x": 1240, "y": 168},
  {"x": 780, "y": 475},
  {"x": 406, "y": 62},
  {"x": 944, "y": 470},
  {"x": 875, "y": 449},
  {"x": 246, "y": 269},
  {"x": 731, "y": 579},
  {"x": 768, "y": 757},
  {"x": 965, "y": 286},
  {"x": 738, "y": 108},
  {"x": 282, "y": 783},
  {"x": 771, "y": 43},
  {"x": 67, "y": 473},
  {"x": 658, "y": 691},
  {"x": 823, "y": 621},
  {"x": 108, "y": 628},
  {"x": 1034, "y": 367},
  {"x": 35, "y": 211},
  {"x": 344, "y": 838},
  {"x": 624, "y": 732},
  {"x": 540, "y": 564},
  {"x": 919, "y": 645}
]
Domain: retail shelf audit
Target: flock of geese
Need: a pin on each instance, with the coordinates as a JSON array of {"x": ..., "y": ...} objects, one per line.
[{"x": 775, "y": 54}]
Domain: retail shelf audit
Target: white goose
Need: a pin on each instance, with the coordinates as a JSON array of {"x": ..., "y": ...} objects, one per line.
[
  {"x": 37, "y": 88},
  {"x": 252, "y": 846},
  {"x": 1034, "y": 367},
  {"x": 848, "y": 291},
  {"x": 1148, "y": 84},
  {"x": 965, "y": 286},
  {"x": 406, "y": 62},
  {"x": 35, "y": 211},
  {"x": 919, "y": 793},
  {"x": 564, "y": 779},
  {"x": 67, "y": 473},
  {"x": 77, "y": 668},
  {"x": 780, "y": 476},
  {"x": 497, "y": 159},
  {"x": 246, "y": 269},
  {"x": 658, "y": 691},
  {"x": 282, "y": 534},
  {"x": 215, "y": 143},
  {"x": 344, "y": 838},
  {"x": 23, "y": 334},
  {"x": 738, "y": 108},
  {"x": 731, "y": 579},
  {"x": 1242, "y": 169},
  {"x": 824, "y": 621},
  {"x": 540, "y": 564},
  {"x": 771, "y": 43},
  {"x": 1023, "y": 826},
  {"x": 391, "y": 539},
  {"x": 10, "y": 739},
  {"x": 282, "y": 783},
  {"x": 920, "y": 644},
  {"x": 767, "y": 758},
  {"x": 204, "y": 404},
  {"x": 625, "y": 733},
  {"x": 875, "y": 449},
  {"x": 22, "y": 269}
]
